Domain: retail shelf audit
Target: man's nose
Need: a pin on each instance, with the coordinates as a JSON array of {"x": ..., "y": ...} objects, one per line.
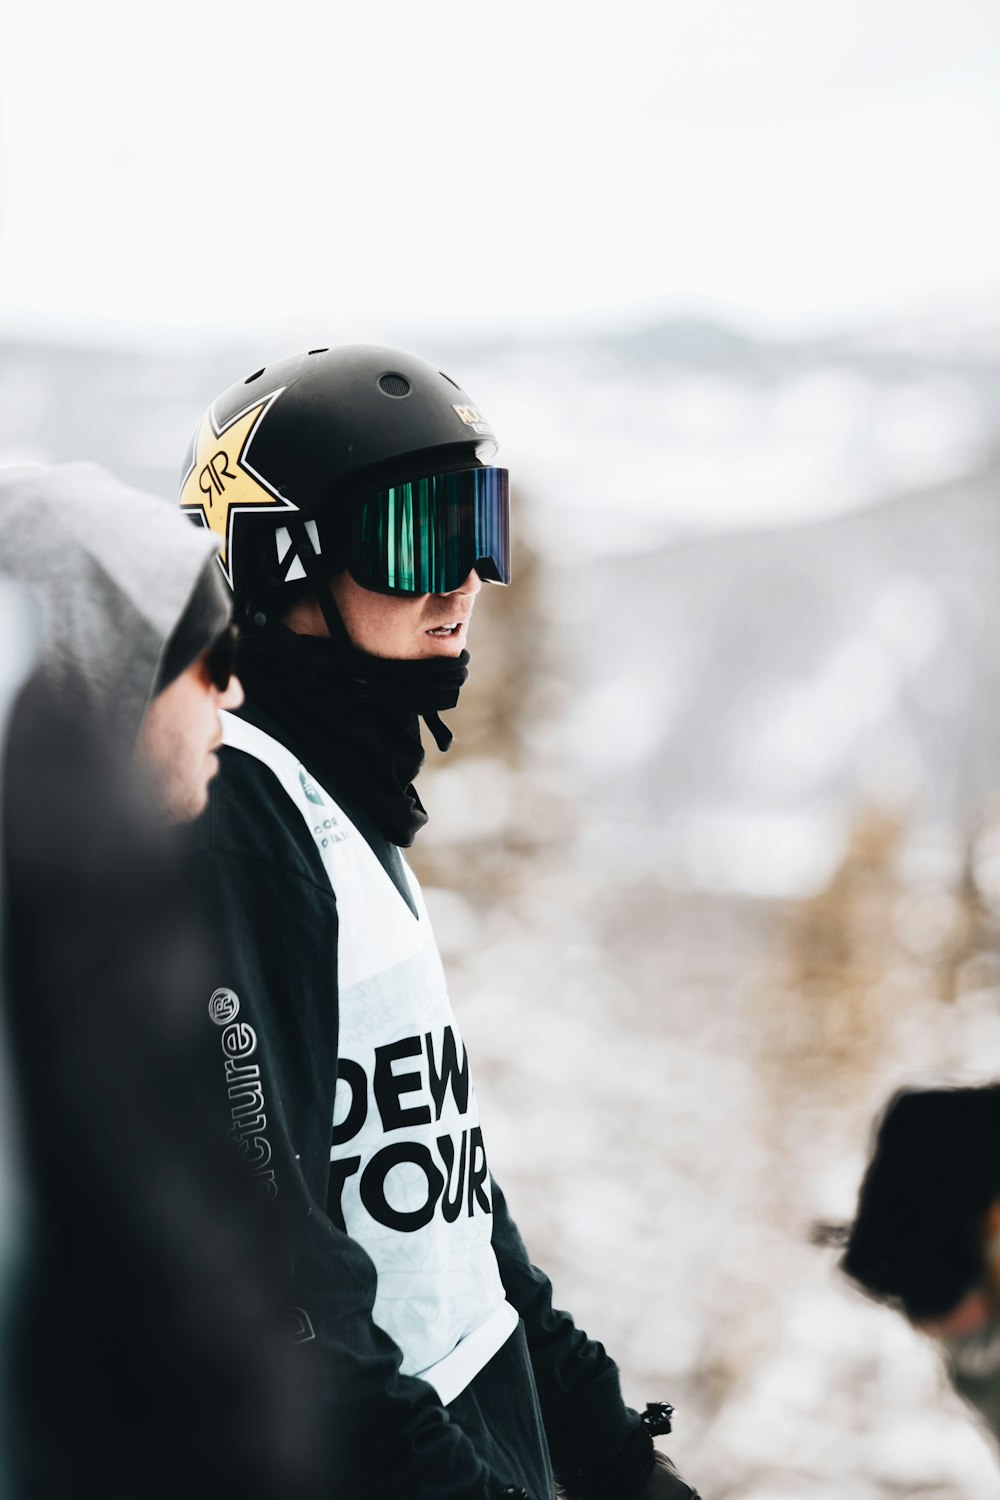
[{"x": 470, "y": 585}]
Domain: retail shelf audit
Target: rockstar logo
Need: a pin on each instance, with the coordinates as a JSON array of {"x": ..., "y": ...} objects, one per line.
[{"x": 221, "y": 481}]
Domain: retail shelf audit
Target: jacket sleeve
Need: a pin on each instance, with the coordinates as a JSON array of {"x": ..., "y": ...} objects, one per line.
[
  {"x": 379, "y": 1432},
  {"x": 579, "y": 1392}
]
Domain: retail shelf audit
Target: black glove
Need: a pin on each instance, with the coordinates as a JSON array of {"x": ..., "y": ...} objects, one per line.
[{"x": 665, "y": 1483}]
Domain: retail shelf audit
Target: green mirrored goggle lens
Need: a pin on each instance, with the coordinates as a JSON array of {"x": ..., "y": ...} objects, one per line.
[{"x": 425, "y": 536}]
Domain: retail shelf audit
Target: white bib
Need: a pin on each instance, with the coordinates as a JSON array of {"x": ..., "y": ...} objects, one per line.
[{"x": 408, "y": 1174}]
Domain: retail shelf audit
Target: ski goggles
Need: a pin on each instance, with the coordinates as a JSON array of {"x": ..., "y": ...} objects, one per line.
[{"x": 425, "y": 536}]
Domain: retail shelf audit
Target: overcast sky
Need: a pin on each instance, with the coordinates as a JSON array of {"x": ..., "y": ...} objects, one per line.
[{"x": 296, "y": 171}]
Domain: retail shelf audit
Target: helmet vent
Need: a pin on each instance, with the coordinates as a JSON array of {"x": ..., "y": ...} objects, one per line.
[
  {"x": 256, "y": 375},
  {"x": 319, "y": 351},
  {"x": 394, "y": 384}
]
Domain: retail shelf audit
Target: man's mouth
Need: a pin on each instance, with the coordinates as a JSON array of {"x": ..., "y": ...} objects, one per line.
[{"x": 446, "y": 630}]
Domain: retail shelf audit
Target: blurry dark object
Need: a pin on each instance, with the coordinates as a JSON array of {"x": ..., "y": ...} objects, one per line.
[
  {"x": 926, "y": 1237},
  {"x": 634, "y": 1470},
  {"x": 916, "y": 1241},
  {"x": 665, "y": 1483}
]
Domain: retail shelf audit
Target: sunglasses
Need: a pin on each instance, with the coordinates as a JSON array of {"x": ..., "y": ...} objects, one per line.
[{"x": 220, "y": 658}]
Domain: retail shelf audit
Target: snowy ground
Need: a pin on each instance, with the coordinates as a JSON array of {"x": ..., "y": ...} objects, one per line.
[
  {"x": 666, "y": 1155},
  {"x": 706, "y": 905}
]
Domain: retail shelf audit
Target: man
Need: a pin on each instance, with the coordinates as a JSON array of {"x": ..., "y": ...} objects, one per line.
[
  {"x": 146, "y": 1356},
  {"x": 135, "y": 621},
  {"x": 358, "y": 517},
  {"x": 926, "y": 1237}
]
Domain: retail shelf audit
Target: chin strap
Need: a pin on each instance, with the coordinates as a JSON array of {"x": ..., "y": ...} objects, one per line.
[{"x": 316, "y": 574}]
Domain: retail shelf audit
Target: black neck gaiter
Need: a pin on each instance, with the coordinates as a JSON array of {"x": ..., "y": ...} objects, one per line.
[{"x": 353, "y": 719}]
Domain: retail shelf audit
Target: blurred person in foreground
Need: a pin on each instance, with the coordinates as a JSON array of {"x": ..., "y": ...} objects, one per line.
[
  {"x": 926, "y": 1236},
  {"x": 147, "y": 1356},
  {"x": 358, "y": 515}
]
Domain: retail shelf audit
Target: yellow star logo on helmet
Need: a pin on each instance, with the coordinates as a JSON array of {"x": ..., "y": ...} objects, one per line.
[{"x": 221, "y": 481}]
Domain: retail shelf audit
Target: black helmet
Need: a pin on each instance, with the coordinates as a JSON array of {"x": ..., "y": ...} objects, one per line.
[{"x": 371, "y": 458}]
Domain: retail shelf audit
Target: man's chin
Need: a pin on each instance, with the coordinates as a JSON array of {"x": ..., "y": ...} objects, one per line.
[{"x": 190, "y": 802}]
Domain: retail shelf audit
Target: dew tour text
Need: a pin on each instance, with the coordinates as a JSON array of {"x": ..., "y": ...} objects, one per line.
[{"x": 453, "y": 1163}]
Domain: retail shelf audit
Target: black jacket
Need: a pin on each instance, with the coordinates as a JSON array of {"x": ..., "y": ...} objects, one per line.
[
  {"x": 146, "y": 1354},
  {"x": 384, "y": 1434}
]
